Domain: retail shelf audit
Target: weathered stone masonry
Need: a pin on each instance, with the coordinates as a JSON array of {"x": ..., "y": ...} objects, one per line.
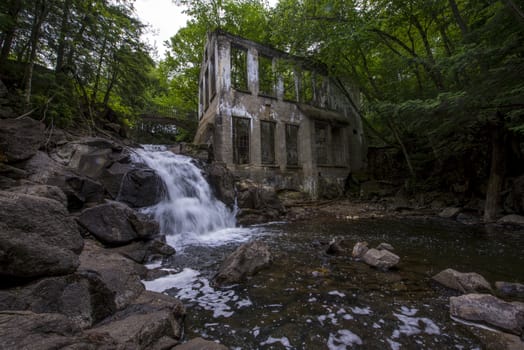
[{"x": 276, "y": 118}]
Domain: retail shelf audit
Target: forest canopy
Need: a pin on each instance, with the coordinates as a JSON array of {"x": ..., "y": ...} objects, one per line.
[{"x": 441, "y": 80}]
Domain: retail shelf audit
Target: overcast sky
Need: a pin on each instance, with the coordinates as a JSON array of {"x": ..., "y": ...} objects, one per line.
[{"x": 165, "y": 18}]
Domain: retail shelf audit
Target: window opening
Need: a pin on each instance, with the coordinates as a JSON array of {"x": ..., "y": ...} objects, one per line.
[
  {"x": 212, "y": 76},
  {"x": 291, "y": 144},
  {"x": 267, "y": 142},
  {"x": 321, "y": 143},
  {"x": 287, "y": 73},
  {"x": 266, "y": 76},
  {"x": 338, "y": 148},
  {"x": 241, "y": 129},
  {"x": 306, "y": 87},
  {"x": 239, "y": 68},
  {"x": 206, "y": 89}
]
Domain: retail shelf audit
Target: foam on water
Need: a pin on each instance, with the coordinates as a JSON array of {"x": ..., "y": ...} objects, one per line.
[
  {"x": 189, "y": 285},
  {"x": 342, "y": 339}
]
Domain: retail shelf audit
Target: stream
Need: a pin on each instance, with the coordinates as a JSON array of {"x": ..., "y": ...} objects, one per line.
[{"x": 308, "y": 299}]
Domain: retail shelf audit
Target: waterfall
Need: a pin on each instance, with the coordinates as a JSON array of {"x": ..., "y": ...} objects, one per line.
[{"x": 189, "y": 213}]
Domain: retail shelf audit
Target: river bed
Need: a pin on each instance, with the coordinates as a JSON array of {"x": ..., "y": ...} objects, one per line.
[{"x": 308, "y": 299}]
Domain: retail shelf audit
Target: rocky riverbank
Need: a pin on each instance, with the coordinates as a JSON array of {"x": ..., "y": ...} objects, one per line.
[{"x": 73, "y": 244}]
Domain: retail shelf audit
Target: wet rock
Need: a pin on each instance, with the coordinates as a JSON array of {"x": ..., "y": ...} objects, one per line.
[
  {"x": 90, "y": 154},
  {"x": 257, "y": 203},
  {"x": 381, "y": 259},
  {"x": 141, "y": 188},
  {"x": 468, "y": 219},
  {"x": 336, "y": 247},
  {"x": 121, "y": 275},
  {"x": 510, "y": 289},
  {"x": 83, "y": 298},
  {"x": 495, "y": 340},
  {"x": 449, "y": 212},
  {"x": 489, "y": 310},
  {"x": 468, "y": 282},
  {"x": 143, "y": 252},
  {"x": 385, "y": 246},
  {"x": 115, "y": 223},
  {"x": 247, "y": 260},
  {"x": 513, "y": 219},
  {"x": 200, "y": 344},
  {"x": 222, "y": 182},
  {"x": 38, "y": 237},
  {"x": 112, "y": 176},
  {"x": 144, "y": 322},
  {"x": 359, "y": 250},
  {"x": 28, "y": 330},
  {"x": 20, "y": 139}
]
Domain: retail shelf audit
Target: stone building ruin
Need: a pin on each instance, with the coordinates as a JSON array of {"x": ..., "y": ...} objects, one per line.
[{"x": 276, "y": 118}]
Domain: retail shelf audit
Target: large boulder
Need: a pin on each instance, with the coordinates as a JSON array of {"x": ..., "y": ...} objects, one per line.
[
  {"x": 141, "y": 188},
  {"x": 20, "y": 138},
  {"x": 150, "y": 319},
  {"x": 82, "y": 297},
  {"x": 489, "y": 310},
  {"x": 114, "y": 223},
  {"x": 247, "y": 260},
  {"x": 381, "y": 259},
  {"x": 121, "y": 275},
  {"x": 78, "y": 189},
  {"x": 38, "y": 238},
  {"x": 28, "y": 330},
  {"x": 112, "y": 177},
  {"x": 464, "y": 282}
]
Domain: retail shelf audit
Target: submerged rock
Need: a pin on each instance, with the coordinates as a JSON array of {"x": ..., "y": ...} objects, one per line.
[
  {"x": 510, "y": 289},
  {"x": 490, "y": 310},
  {"x": 247, "y": 260},
  {"x": 385, "y": 246},
  {"x": 450, "y": 212},
  {"x": 200, "y": 344},
  {"x": 359, "y": 250},
  {"x": 336, "y": 247},
  {"x": 382, "y": 259},
  {"x": 465, "y": 282},
  {"x": 512, "y": 219}
]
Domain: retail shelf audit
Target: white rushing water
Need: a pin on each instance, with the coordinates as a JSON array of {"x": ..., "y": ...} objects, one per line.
[{"x": 189, "y": 214}]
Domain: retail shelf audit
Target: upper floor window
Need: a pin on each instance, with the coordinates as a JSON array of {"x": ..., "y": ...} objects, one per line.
[
  {"x": 306, "y": 87},
  {"x": 266, "y": 76},
  {"x": 287, "y": 74},
  {"x": 239, "y": 68}
]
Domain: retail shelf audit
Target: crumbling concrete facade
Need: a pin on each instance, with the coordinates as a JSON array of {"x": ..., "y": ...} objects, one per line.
[{"x": 277, "y": 119}]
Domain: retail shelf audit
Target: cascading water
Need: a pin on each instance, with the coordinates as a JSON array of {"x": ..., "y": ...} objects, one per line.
[{"x": 189, "y": 213}]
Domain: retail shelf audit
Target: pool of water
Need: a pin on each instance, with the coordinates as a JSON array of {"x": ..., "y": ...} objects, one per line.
[{"x": 308, "y": 299}]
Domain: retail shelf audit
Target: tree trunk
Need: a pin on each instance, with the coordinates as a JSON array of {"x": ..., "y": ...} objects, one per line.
[
  {"x": 458, "y": 18},
  {"x": 41, "y": 10},
  {"x": 64, "y": 29},
  {"x": 9, "y": 34},
  {"x": 496, "y": 175}
]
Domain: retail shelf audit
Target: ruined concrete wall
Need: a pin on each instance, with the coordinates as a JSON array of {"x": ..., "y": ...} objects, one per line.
[{"x": 218, "y": 116}]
